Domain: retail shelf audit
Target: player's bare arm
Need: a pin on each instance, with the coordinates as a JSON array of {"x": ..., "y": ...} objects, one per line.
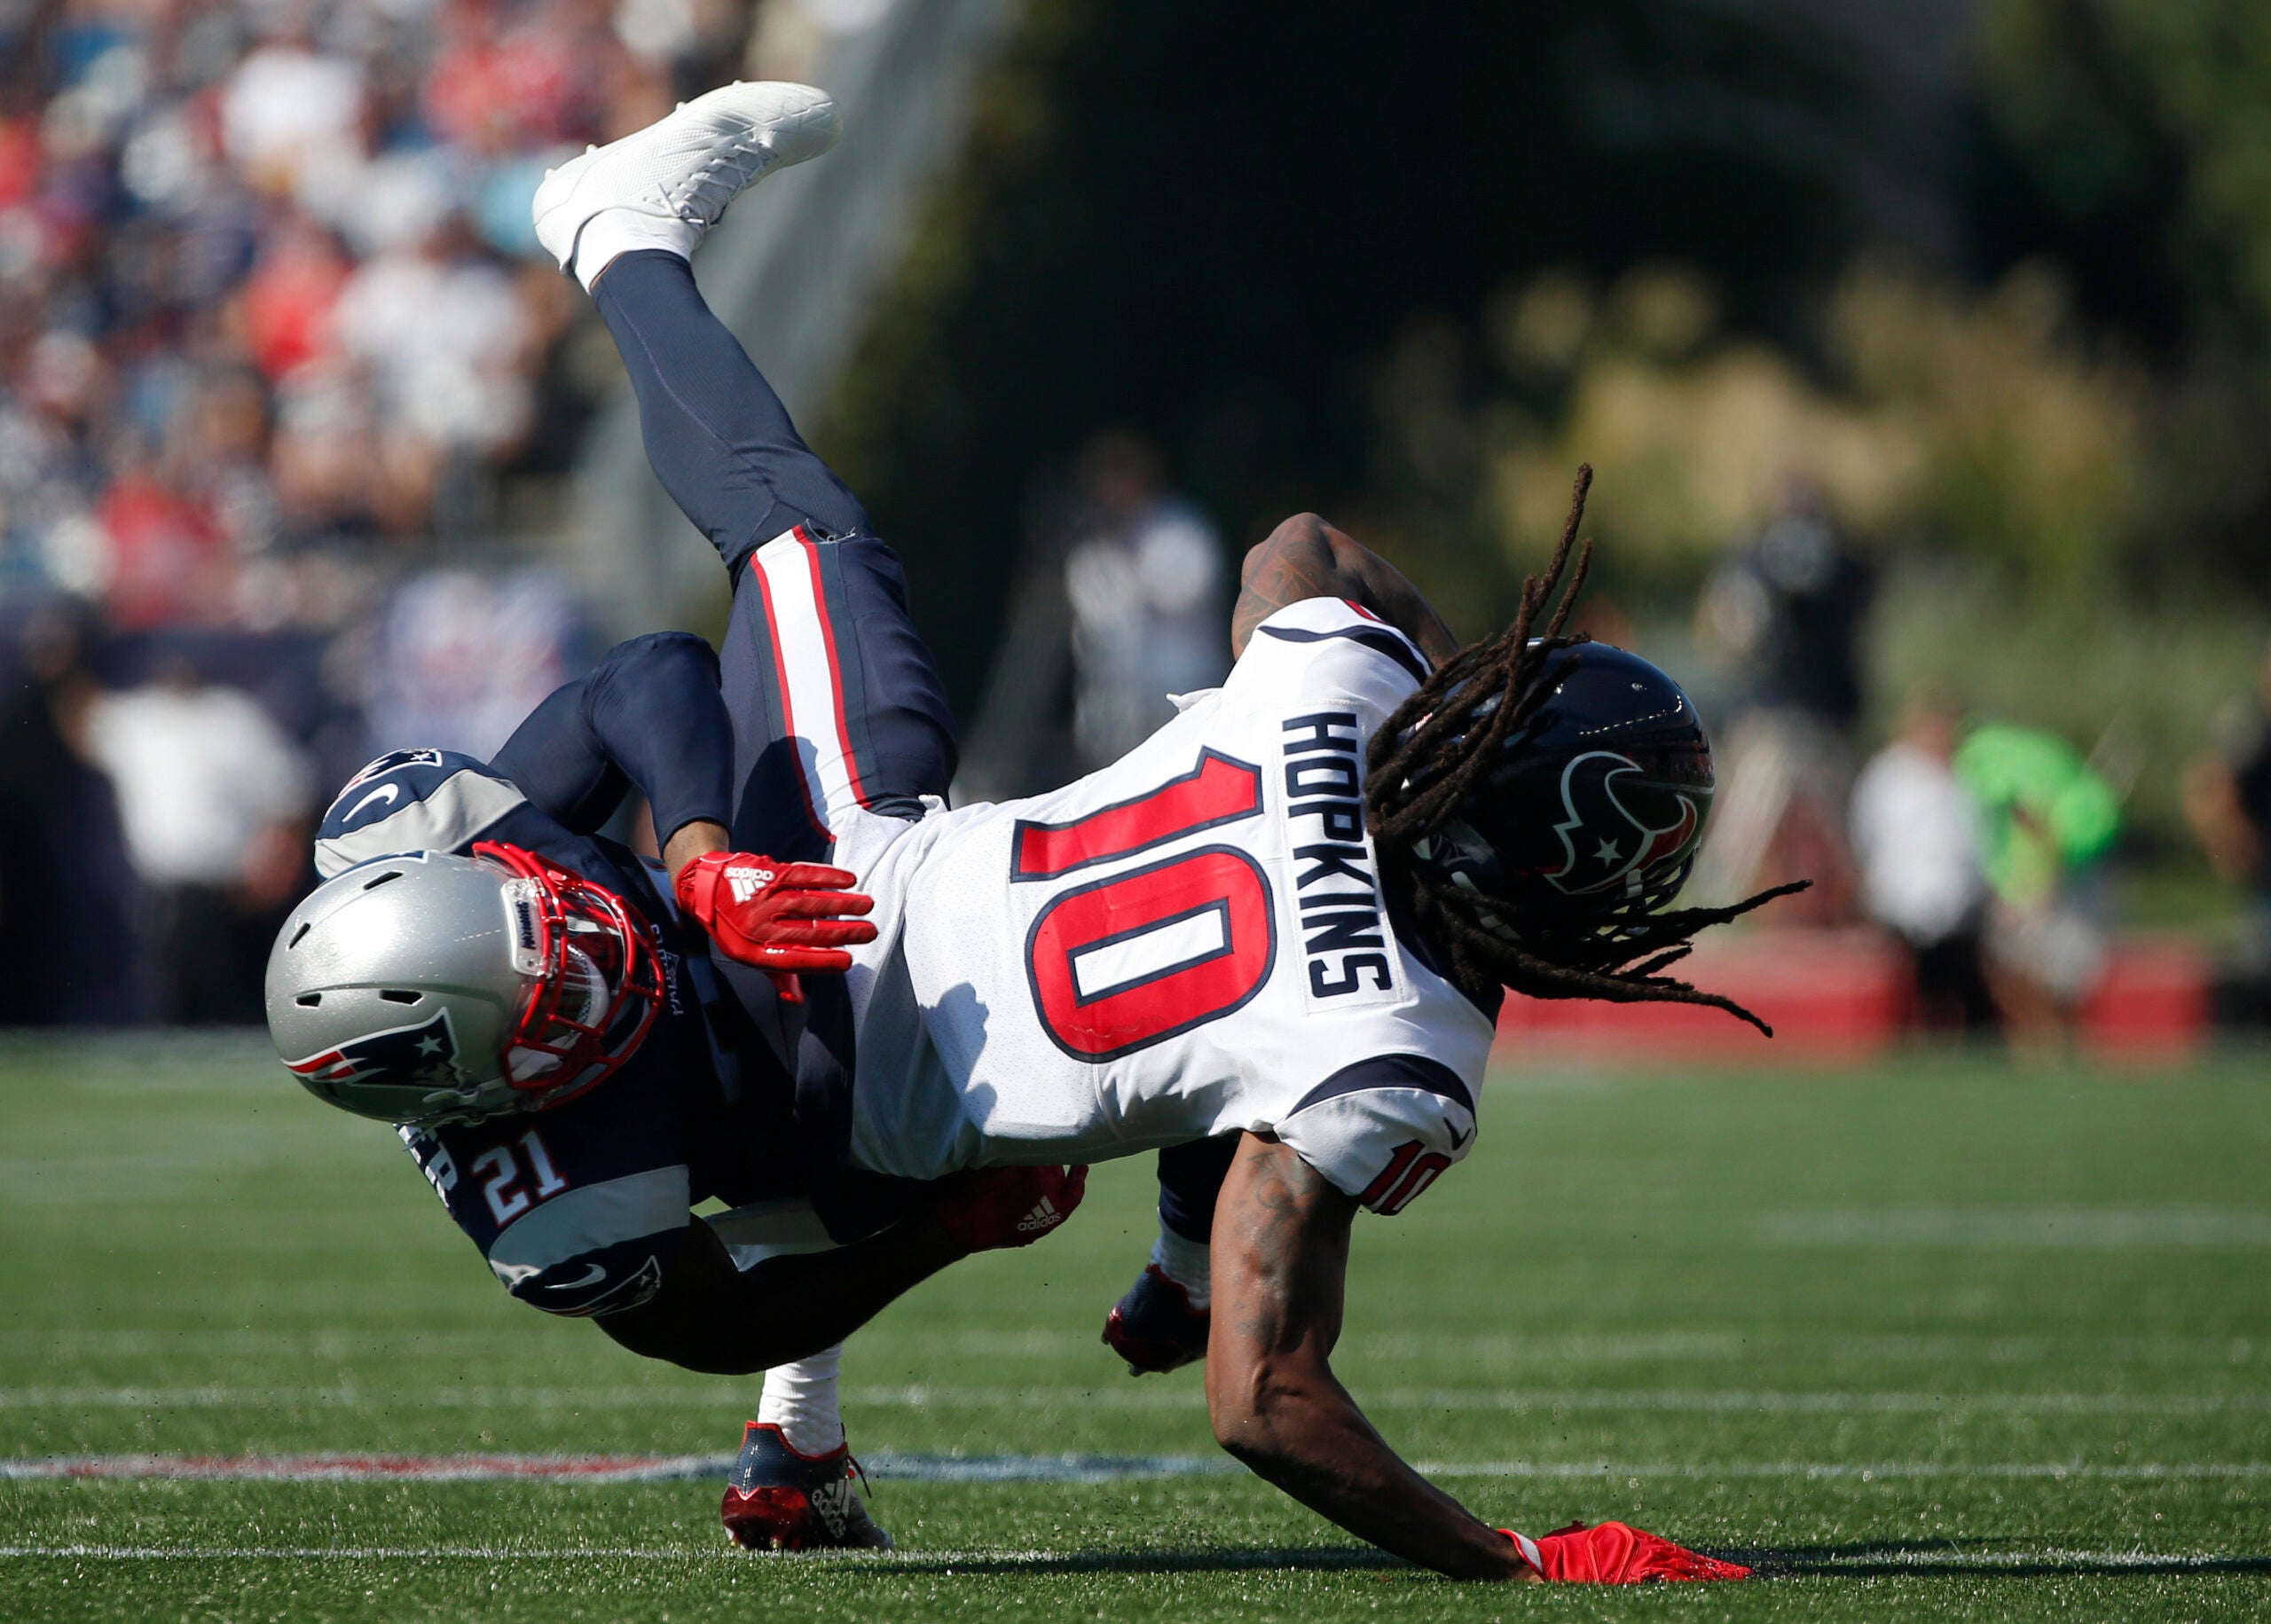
[
  {"x": 1307, "y": 558},
  {"x": 696, "y": 839},
  {"x": 1280, "y": 1267}
]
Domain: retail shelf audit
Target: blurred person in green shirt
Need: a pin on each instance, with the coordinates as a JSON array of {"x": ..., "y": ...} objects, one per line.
[{"x": 2047, "y": 820}]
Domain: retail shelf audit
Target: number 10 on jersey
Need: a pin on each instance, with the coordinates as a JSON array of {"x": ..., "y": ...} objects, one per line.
[{"x": 1122, "y": 963}]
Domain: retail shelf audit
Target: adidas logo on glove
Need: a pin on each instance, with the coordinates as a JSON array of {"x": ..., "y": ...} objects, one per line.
[
  {"x": 1043, "y": 1217},
  {"x": 748, "y": 881}
]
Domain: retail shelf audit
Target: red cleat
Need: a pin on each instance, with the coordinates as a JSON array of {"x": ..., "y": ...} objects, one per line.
[
  {"x": 1617, "y": 1553},
  {"x": 780, "y": 1500}
]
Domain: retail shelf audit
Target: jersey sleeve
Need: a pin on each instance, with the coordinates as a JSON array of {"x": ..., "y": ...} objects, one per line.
[
  {"x": 1383, "y": 1129},
  {"x": 570, "y": 1219},
  {"x": 648, "y": 714},
  {"x": 413, "y": 801},
  {"x": 1362, "y": 649}
]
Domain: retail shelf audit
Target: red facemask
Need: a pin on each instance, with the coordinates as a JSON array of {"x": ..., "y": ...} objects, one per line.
[{"x": 592, "y": 973}]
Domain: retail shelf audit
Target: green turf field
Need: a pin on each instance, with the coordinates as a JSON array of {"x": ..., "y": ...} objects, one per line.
[{"x": 1929, "y": 1341}]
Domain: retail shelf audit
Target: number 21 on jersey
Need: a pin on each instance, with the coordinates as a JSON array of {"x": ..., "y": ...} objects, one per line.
[
  {"x": 1121, "y": 963},
  {"x": 502, "y": 1178}
]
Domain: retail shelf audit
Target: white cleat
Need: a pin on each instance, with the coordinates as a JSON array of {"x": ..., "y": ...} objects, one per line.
[{"x": 675, "y": 178}]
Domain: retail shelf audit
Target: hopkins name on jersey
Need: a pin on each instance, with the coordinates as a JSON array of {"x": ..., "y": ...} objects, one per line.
[{"x": 1188, "y": 943}]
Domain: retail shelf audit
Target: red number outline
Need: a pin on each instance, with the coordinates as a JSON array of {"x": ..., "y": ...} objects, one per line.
[
  {"x": 1220, "y": 789},
  {"x": 1408, "y": 1175},
  {"x": 1258, "y": 907}
]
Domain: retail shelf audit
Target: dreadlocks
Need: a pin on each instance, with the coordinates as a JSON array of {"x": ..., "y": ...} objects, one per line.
[{"x": 1427, "y": 757}]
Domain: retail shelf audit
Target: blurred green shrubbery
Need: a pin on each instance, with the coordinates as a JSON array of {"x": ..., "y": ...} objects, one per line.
[
  {"x": 1936, "y": 415},
  {"x": 2145, "y": 128},
  {"x": 1411, "y": 264},
  {"x": 1983, "y": 446}
]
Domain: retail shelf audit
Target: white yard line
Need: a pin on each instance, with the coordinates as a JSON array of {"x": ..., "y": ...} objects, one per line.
[
  {"x": 2049, "y": 1557},
  {"x": 1068, "y": 1468},
  {"x": 1578, "y": 1347},
  {"x": 2146, "y": 1471},
  {"x": 1161, "y": 1397},
  {"x": 367, "y": 1469},
  {"x": 2020, "y": 1228},
  {"x": 338, "y": 1553},
  {"x": 1922, "y": 1561}
]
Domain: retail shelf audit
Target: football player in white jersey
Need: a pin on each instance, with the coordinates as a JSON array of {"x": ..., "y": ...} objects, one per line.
[
  {"x": 1282, "y": 924},
  {"x": 1268, "y": 943}
]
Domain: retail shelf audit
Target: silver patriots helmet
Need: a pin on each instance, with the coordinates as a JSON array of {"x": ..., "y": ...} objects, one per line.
[{"x": 429, "y": 987}]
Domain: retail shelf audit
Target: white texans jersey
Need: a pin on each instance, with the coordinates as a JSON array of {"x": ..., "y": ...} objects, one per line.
[{"x": 1188, "y": 943}]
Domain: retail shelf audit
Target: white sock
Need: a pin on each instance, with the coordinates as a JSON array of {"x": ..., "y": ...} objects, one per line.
[
  {"x": 1188, "y": 1263},
  {"x": 615, "y": 231},
  {"x": 800, "y": 1400}
]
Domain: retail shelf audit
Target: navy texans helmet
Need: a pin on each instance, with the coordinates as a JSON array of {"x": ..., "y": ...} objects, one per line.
[{"x": 1595, "y": 804}]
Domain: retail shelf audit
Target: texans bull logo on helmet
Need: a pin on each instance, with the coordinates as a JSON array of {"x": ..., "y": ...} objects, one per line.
[
  {"x": 1606, "y": 841},
  {"x": 426, "y": 1053}
]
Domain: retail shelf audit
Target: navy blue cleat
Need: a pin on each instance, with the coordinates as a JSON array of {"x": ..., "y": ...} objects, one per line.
[
  {"x": 779, "y": 1500},
  {"x": 1154, "y": 1328}
]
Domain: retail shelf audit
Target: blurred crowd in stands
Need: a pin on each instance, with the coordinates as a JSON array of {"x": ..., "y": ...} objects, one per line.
[
  {"x": 279, "y": 356},
  {"x": 271, "y": 295},
  {"x": 280, "y": 362}
]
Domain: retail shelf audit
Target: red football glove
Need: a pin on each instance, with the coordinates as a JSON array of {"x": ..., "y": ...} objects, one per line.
[
  {"x": 779, "y": 917},
  {"x": 1616, "y": 1553},
  {"x": 988, "y": 1208}
]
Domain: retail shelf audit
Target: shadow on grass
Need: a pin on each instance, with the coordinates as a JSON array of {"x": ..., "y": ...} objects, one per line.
[
  {"x": 1312, "y": 1560},
  {"x": 1975, "y": 1559},
  {"x": 1916, "y": 1560}
]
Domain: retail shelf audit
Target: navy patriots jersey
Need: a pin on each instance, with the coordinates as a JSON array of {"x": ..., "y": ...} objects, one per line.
[{"x": 579, "y": 1208}]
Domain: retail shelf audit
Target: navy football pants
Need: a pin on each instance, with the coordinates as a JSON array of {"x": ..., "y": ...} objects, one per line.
[
  {"x": 820, "y": 648},
  {"x": 831, "y": 691}
]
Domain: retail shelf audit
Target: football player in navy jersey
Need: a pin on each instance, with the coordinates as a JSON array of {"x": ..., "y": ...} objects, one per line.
[
  {"x": 1268, "y": 943},
  {"x": 579, "y": 1193}
]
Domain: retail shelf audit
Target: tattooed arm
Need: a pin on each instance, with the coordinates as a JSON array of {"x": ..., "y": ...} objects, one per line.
[
  {"x": 1307, "y": 558},
  {"x": 1280, "y": 1265}
]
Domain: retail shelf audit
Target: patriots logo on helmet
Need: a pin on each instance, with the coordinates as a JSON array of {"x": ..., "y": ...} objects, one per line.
[
  {"x": 1604, "y": 844},
  {"x": 408, "y": 1057}
]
